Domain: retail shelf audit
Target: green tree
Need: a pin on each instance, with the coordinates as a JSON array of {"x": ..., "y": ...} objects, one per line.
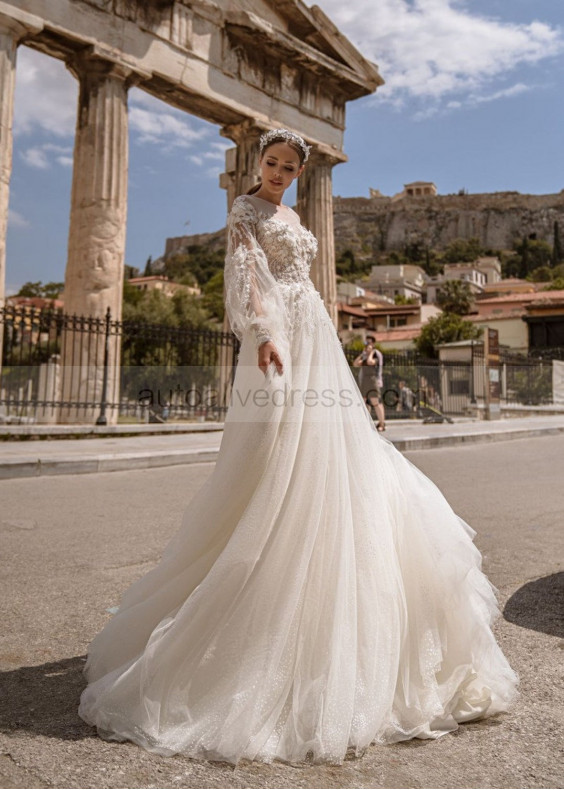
[
  {"x": 346, "y": 264},
  {"x": 402, "y": 299},
  {"x": 510, "y": 265},
  {"x": 444, "y": 328},
  {"x": 455, "y": 297},
  {"x": 131, "y": 294},
  {"x": 180, "y": 310},
  {"x": 557, "y": 250},
  {"x": 212, "y": 296},
  {"x": 148, "y": 267},
  {"x": 50, "y": 290},
  {"x": 130, "y": 271},
  {"x": 531, "y": 254},
  {"x": 542, "y": 274},
  {"x": 431, "y": 265},
  {"x": 556, "y": 285},
  {"x": 463, "y": 251},
  {"x": 198, "y": 260}
]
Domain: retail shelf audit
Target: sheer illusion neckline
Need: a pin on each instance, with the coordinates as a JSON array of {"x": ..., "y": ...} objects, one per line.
[
  {"x": 256, "y": 197},
  {"x": 273, "y": 216},
  {"x": 296, "y": 226}
]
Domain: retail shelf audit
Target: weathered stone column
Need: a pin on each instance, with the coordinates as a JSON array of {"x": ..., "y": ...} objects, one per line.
[
  {"x": 241, "y": 173},
  {"x": 95, "y": 263},
  {"x": 315, "y": 207},
  {"x": 11, "y": 33},
  {"x": 241, "y": 162}
]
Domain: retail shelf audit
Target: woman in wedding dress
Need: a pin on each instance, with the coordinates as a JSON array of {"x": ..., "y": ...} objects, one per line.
[{"x": 321, "y": 595}]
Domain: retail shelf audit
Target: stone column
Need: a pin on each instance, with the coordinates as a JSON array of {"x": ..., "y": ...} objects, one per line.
[
  {"x": 96, "y": 245},
  {"x": 241, "y": 162},
  {"x": 11, "y": 33},
  {"x": 315, "y": 207},
  {"x": 241, "y": 173}
]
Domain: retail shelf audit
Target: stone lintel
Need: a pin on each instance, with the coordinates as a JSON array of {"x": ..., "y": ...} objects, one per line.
[
  {"x": 18, "y": 22},
  {"x": 196, "y": 81}
]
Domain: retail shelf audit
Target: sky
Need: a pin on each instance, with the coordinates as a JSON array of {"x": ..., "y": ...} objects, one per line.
[{"x": 473, "y": 100}]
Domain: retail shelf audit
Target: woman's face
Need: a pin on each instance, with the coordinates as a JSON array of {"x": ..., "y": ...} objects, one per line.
[{"x": 279, "y": 166}]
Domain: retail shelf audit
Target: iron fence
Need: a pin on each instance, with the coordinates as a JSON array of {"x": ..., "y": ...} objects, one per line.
[
  {"x": 63, "y": 368},
  {"x": 67, "y": 368}
]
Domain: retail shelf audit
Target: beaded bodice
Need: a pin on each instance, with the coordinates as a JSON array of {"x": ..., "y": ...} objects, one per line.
[
  {"x": 289, "y": 249},
  {"x": 267, "y": 272}
]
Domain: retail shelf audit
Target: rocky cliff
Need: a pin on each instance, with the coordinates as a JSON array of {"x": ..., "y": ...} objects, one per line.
[{"x": 368, "y": 226}]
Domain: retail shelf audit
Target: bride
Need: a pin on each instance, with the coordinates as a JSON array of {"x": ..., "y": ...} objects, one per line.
[{"x": 321, "y": 595}]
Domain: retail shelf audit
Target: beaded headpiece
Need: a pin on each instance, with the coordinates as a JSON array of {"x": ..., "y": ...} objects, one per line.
[{"x": 286, "y": 134}]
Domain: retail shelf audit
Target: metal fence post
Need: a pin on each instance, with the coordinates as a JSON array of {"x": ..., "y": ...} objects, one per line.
[{"x": 102, "y": 419}]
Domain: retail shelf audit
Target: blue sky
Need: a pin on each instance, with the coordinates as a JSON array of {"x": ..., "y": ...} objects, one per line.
[{"x": 473, "y": 99}]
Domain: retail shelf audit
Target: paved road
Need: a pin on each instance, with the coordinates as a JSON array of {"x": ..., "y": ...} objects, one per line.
[
  {"x": 147, "y": 450},
  {"x": 71, "y": 544}
]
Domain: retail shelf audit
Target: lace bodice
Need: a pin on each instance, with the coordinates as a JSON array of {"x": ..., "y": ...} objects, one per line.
[
  {"x": 289, "y": 249},
  {"x": 267, "y": 285}
]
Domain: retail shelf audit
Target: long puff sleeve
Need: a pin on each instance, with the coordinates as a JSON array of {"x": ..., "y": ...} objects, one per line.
[{"x": 251, "y": 293}]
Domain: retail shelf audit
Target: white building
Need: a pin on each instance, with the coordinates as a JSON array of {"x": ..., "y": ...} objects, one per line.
[
  {"x": 478, "y": 274},
  {"x": 397, "y": 280}
]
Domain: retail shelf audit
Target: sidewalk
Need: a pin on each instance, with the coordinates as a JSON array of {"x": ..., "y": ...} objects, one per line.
[{"x": 37, "y": 457}]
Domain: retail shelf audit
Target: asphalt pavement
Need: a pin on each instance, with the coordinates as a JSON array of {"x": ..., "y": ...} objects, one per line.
[
  {"x": 71, "y": 544},
  {"x": 144, "y": 447}
]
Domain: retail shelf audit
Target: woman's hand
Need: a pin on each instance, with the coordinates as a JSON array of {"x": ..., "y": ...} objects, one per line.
[{"x": 268, "y": 353}]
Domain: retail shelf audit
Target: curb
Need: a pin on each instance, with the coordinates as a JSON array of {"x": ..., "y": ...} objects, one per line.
[
  {"x": 433, "y": 442},
  {"x": 117, "y": 462},
  {"x": 19, "y": 432},
  {"x": 105, "y": 462}
]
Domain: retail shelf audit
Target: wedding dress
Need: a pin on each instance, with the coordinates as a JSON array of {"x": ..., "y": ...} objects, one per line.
[{"x": 321, "y": 595}]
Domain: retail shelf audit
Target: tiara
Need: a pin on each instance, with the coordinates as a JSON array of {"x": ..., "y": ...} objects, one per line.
[{"x": 287, "y": 135}]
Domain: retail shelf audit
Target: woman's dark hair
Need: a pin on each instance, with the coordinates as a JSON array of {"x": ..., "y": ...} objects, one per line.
[{"x": 273, "y": 141}]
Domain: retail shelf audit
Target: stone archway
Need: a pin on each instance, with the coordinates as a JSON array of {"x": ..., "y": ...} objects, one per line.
[{"x": 248, "y": 67}]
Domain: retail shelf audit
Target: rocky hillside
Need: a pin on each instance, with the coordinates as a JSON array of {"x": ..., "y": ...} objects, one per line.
[{"x": 370, "y": 226}]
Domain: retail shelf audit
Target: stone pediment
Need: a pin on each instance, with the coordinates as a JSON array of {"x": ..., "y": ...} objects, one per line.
[{"x": 290, "y": 25}]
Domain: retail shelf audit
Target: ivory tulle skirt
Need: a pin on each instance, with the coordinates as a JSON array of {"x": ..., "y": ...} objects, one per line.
[{"x": 320, "y": 596}]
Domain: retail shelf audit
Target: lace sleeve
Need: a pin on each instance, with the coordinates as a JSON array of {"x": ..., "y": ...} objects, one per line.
[{"x": 251, "y": 293}]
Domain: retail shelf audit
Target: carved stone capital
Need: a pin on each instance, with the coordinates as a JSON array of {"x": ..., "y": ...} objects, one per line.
[
  {"x": 93, "y": 67},
  {"x": 318, "y": 158},
  {"x": 244, "y": 133}
]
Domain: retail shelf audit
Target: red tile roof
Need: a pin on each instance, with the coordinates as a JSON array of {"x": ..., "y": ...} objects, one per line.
[
  {"x": 522, "y": 297},
  {"x": 350, "y": 310},
  {"x": 399, "y": 333}
]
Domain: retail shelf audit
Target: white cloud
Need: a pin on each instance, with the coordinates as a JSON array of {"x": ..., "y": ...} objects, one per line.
[
  {"x": 46, "y": 100},
  {"x": 155, "y": 122},
  {"x": 162, "y": 128},
  {"x": 514, "y": 90},
  {"x": 17, "y": 220},
  {"x": 214, "y": 172},
  {"x": 39, "y": 156},
  {"x": 216, "y": 152},
  {"x": 46, "y": 95},
  {"x": 59, "y": 149},
  {"x": 35, "y": 157},
  {"x": 438, "y": 49}
]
